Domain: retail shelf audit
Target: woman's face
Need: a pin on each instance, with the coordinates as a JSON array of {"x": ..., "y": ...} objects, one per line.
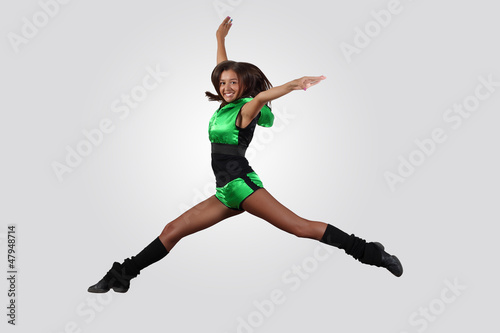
[{"x": 229, "y": 86}]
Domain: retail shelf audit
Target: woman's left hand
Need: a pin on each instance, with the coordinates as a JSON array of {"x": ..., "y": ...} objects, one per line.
[{"x": 307, "y": 81}]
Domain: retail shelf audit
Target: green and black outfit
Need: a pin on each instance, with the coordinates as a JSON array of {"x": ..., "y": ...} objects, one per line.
[{"x": 235, "y": 179}]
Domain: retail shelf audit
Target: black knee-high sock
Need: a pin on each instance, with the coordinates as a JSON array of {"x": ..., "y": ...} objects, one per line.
[
  {"x": 151, "y": 254},
  {"x": 357, "y": 247}
]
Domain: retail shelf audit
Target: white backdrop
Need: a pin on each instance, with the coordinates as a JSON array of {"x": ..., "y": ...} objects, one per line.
[{"x": 103, "y": 137}]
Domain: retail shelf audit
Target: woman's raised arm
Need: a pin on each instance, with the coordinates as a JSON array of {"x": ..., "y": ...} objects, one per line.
[
  {"x": 221, "y": 37},
  {"x": 251, "y": 109}
]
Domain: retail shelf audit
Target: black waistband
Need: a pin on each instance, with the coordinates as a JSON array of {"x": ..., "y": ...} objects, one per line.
[{"x": 227, "y": 149}]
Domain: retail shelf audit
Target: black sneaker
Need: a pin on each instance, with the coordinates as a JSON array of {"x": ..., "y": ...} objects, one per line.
[
  {"x": 390, "y": 262},
  {"x": 113, "y": 279}
]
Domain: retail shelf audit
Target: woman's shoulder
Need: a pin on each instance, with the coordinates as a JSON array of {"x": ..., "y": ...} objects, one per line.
[{"x": 241, "y": 101}]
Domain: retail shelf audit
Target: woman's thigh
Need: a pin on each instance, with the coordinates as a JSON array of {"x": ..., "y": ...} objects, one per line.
[
  {"x": 201, "y": 216},
  {"x": 262, "y": 204}
]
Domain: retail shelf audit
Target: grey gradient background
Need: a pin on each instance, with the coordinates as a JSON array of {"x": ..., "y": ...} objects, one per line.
[{"x": 325, "y": 160}]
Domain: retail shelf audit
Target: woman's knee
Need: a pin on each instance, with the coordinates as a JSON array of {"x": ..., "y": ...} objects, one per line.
[
  {"x": 302, "y": 228},
  {"x": 171, "y": 234}
]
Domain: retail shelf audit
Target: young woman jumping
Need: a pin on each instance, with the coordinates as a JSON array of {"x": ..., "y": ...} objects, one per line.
[{"x": 244, "y": 93}]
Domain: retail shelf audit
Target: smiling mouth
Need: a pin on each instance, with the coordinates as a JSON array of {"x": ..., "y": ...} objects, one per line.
[{"x": 229, "y": 94}]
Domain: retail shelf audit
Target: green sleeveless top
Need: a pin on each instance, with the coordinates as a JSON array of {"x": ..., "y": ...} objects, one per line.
[{"x": 222, "y": 127}]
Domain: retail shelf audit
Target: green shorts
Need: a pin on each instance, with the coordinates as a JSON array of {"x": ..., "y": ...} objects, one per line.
[{"x": 233, "y": 193}]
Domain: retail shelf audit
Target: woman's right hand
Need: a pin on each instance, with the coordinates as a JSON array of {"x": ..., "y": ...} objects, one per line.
[{"x": 224, "y": 28}]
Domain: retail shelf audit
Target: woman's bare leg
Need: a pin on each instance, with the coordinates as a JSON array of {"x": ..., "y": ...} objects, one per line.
[
  {"x": 203, "y": 215},
  {"x": 262, "y": 204}
]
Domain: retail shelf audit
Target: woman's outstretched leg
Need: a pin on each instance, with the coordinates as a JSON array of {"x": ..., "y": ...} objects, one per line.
[
  {"x": 201, "y": 216},
  {"x": 262, "y": 204}
]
